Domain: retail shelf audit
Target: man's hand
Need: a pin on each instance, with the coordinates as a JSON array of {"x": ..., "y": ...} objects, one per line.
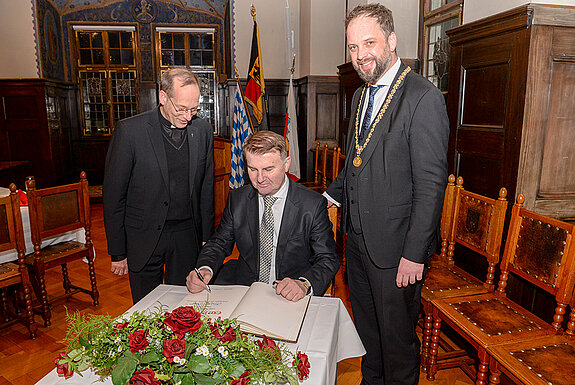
[
  {"x": 291, "y": 289},
  {"x": 120, "y": 267},
  {"x": 195, "y": 284},
  {"x": 408, "y": 272}
]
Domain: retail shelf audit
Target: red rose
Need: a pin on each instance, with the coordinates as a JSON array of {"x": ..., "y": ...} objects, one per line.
[
  {"x": 62, "y": 366},
  {"x": 244, "y": 379},
  {"x": 227, "y": 336},
  {"x": 121, "y": 325},
  {"x": 138, "y": 341},
  {"x": 267, "y": 344},
  {"x": 144, "y": 377},
  {"x": 183, "y": 320},
  {"x": 302, "y": 366},
  {"x": 173, "y": 348}
]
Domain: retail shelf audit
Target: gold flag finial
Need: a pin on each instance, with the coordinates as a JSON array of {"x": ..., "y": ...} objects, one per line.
[
  {"x": 253, "y": 11},
  {"x": 293, "y": 64}
]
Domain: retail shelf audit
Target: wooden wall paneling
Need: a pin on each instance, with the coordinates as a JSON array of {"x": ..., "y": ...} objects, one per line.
[
  {"x": 35, "y": 127},
  {"x": 320, "y": 120},
  {"x": 222, "y": 171}
]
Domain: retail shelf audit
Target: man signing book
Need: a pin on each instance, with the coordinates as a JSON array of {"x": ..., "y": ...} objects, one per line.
[{"x": 281, "y": 230}]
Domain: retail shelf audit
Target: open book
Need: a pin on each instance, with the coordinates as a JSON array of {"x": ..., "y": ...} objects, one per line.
[{"x": 258, "y": 309}]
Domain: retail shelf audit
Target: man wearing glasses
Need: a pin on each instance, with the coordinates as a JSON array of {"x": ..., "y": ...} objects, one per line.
[{"x": 159, "y": 188}]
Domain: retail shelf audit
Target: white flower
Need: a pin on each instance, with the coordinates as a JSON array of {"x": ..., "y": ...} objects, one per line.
[
  {"x": 119, "y": 348},
  {"x": 222, "y": 350}
]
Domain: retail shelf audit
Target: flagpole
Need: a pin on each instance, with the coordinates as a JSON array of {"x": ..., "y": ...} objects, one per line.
[{"x": 243, "y": 99}]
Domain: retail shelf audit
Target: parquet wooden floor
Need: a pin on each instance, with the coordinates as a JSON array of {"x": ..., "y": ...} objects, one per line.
[{"x": 24, "y": 361}]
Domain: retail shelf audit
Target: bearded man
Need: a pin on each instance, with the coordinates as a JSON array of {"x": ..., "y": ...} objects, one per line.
[{"x": 391, "y": 190}]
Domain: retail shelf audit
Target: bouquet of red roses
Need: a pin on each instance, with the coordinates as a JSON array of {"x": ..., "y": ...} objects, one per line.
[{"x": 179, "y": 347}]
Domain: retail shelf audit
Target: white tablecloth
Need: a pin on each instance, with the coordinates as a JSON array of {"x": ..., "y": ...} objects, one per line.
[{"x": 327, "y": 336}]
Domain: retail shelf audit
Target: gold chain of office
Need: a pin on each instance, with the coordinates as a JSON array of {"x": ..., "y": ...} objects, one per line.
[{"x": 358, "y": 149}]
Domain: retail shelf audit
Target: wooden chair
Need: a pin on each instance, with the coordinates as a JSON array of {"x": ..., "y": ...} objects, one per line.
[
  {"x": 333, "y": 157},
  {"x": 540, "y": 361},
  {"x": 476, "y": 223},
  {"x": 15, "y": 273},
  {"x": 538, "y": 249},
  {"x": 332, "y": 213},
  {"x": 319, "y": 168},
  {"x": 54, "y": 211}
]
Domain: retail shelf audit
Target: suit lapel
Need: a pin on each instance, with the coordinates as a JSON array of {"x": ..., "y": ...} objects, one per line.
[
  {"x": 254, "y": 228},
  {"x": 154, "y": 132},
  {"x": 193, "y": 153},
  {"x": 289, "y": 216},
  {"x": 383, "y": 125}
]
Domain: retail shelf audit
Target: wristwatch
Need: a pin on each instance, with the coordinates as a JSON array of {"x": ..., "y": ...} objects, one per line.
[{"x": 307, "y": 285}]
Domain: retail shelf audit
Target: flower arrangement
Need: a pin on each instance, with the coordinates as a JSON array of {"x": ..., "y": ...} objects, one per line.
[{"x": 182, "y": 347}]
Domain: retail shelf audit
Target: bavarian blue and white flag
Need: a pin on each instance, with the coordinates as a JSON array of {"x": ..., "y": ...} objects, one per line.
[{"x": 240, "y": 132}]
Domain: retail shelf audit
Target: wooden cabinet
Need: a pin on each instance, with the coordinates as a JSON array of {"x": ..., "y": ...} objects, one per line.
[
  {"x": 510, "y": 106},
  {"x": 222, "y": 171},
  {"x": 35, "y": 126}
]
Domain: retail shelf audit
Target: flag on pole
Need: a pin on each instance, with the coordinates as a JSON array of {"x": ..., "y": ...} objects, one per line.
[
  {"x": 290, "y": 133},
  {"x": 240, "y": 132},
  {"x": 256, "y": 86}
]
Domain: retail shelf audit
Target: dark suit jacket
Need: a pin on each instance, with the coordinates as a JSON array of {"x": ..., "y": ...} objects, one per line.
[
  {"x": 403, "y": 174},
  {"x": 136, "y": 192},
  {"x": 305, "y": 246}
]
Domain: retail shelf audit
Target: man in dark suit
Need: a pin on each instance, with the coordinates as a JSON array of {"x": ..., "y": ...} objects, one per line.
[
  {"x": 159, "y": 188},
  {"x": 391, "y": 189},
  {"x": 273, "y": 217}
]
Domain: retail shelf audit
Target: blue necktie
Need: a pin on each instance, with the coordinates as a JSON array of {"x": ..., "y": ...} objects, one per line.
[{"x": 367, "y": 118}]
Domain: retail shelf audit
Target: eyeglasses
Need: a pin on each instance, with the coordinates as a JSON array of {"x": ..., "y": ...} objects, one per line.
[{"x": 181, "y": 110}]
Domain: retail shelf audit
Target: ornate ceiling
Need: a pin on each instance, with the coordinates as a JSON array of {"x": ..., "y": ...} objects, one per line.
[{"x": 218, "y": 7}]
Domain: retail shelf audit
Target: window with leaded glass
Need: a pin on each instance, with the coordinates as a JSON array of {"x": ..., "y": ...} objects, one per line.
[
  {"x": 194, "y": 48},
  {"x": 106, "y": 75},
  {"x": 438, "y": 17}
]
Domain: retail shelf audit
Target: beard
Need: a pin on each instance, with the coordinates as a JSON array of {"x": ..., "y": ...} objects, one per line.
[{"x": 382, "y": 64}]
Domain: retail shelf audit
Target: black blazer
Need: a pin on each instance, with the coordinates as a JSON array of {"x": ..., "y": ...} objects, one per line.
[
  {"x": 305, "y": 246},
  {"x": 403, "y": 174},
  {"x": 136, "y": 191}
]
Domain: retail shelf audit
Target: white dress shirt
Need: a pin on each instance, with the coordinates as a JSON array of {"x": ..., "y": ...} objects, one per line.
[{"x": 277, "y": 210}]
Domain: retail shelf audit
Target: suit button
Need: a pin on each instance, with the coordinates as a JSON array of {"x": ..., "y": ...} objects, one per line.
[
  {"x": 353, "y": 174},
  {"x": 159, "y": 227},
  {"x": 352, "y": 201},
  {"x": 165, "y": 203},
  {"x": 351, "y": 188}
]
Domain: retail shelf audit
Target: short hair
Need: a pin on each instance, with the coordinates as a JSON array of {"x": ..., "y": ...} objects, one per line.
[
  {"x": 375, "y": 10},
  {"x": 264, "y": 142},
  {"x": 185, "y": 75}
]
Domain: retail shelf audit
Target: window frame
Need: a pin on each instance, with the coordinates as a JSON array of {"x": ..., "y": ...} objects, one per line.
[
  {"x": 107, "y": 68},
  {"x": 429, "y": 18}
]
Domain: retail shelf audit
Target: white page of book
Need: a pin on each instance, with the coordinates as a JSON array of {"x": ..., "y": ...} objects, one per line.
[
  {"x": 269, "y": 313},
  {"x": 219, "y": 303}
]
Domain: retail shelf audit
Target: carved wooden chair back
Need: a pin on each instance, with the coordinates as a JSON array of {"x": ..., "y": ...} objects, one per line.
[
  {"x": 540, "y": 250},
  {"x": 320, "y": 166},
  {"x": 55, "y": 211},
  {"x": 332, "y": 166},
  {"x": 476, "y": 222},
  {"x": 13, "y": 273}
]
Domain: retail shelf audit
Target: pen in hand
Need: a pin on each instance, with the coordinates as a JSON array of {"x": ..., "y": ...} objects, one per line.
[{"x": 201, "y": 277}]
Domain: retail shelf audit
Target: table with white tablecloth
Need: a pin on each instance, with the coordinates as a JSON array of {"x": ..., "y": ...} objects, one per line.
[
  {"x": 327, "y": 337},
  {"x": 11, "y": 255}
]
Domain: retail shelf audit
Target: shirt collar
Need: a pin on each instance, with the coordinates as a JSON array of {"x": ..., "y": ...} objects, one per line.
[{"x": 387, "y": 78}]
